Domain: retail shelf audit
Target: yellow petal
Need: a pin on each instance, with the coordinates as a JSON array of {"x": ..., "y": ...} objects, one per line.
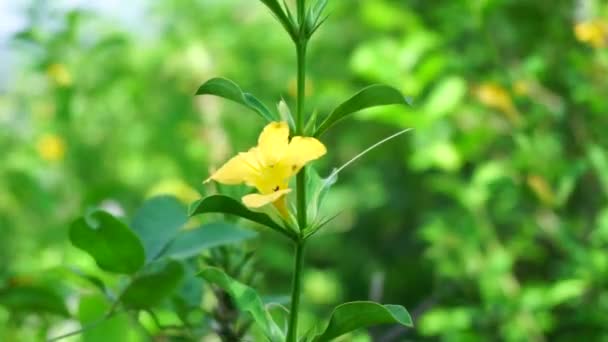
[
  {"x": 259, "y": 200},
  {"x": 273, "y": 142},
  {"x": 302, "y": 150},
  {"x": 243, "y": 168}
]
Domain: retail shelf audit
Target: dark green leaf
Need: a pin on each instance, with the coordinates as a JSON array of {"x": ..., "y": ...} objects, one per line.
[
  {"x": 231, "y": 91},
  {"x": 226, "y": 205},
  {"x": 192, "y": 242},
  {"x": 154, "y": 285},
  {"x": 372, "y": 96},
  {"x": 246, "y": 300},
  {"x": 110, "y": 242},
  {"x": 35, "y": 299},
  {"x": 189, "y": 296},
  {"x": 158, "y": 222},
  {"x": 356, "y": 315}
]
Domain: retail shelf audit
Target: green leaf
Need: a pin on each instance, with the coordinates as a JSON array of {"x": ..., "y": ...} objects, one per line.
[
  {"x": 158, "y": 222},
  {"x": 246, "y": 300},
  {"x": 372, "y": 96},
  {"x": 231, "y": 91},
  {"x": 280, "y": 316},
  {"x": 277, "y": 10},
  {"x": 192, "y": 242},
  {"x": 153, "y": 286},
  {"x": 92, "y": 310},
  {"x": 93, "y": 280},
  {"x": 36, "y": 299},
  {"x": 317, "y": 188},
  {"x": 227, "y": 205},
  {"x": 110, "y": 242},
  {"x": 356, "y": 315},
  {"x": 313, "y": 19}
]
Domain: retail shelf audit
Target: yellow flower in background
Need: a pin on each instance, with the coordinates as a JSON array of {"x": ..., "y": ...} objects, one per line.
[
  {"x": 592, "y": 32},
  {"x": 176, "y": 187},
  {"x": 495, "y": 96},
  {"x": 59, "y": 74},
  {"x": 51, "y": 147},
  {"x": 269, "y": 166}
]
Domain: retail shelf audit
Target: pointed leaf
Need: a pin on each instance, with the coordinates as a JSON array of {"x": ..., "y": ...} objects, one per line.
[
  {"x": 110, "y": 242},
  {"x": 158, "y": 222},
  {"x": 355, "y": 315},
  {"x": 191, "y": 243},
  {"x": 372, "y": 96},
  {"x": 277, "y": 10},
  {"x": 246, "y": 299},
  {"x": 231, "y": 91},
  {"x": 227, "y": 205},
  {"x": 154, "y": 285}
]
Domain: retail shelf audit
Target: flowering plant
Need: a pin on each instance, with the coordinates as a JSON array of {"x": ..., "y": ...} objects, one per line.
[{"x": 157, "y": 256}]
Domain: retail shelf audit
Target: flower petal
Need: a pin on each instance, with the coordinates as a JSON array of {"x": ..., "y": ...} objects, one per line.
[
  {"x": 242, "y": 168},
  {"x": 259, "y": 200},
  {"x": 302, "y": 150},
  {"x": 273, "y": 142}
]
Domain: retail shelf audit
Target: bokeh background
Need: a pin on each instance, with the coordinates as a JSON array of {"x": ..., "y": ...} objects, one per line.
[{"x": 489, "y": 221}]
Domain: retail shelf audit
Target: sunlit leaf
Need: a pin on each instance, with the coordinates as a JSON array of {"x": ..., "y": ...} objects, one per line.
[
  {"x": 192, "y": 242},
  {"x": 372, "y": 96},
  {"x": 158, "y": 222},
  {"x": 154, "y": 285},
  {"x": 356, "y": 315},
  {"x": 231, "y": 91},
  {"x": 110, "y": 242},
  {"x": 92, "y": 310}
]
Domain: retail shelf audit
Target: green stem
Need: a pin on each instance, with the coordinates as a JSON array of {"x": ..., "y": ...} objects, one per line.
[
  {"x": 301, "y": 12},
  {"x": 301, "y": 178},
  {"x": 301, "y": 44},
  {"x": 292, "y": 330}
]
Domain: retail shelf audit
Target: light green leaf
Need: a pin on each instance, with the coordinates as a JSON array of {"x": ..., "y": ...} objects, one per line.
[
  {"x": 356, "y": 315},
  {"x": 92, "y": 313},
  {"x": 231, "y": 91},
  {"x": 110, "y": 242},
  {"x": 372, "y": 96},
  {"x": 280, "y": 316},
  {"x": 33, "y": 299},
  {"x": 154, "y": 285},
  {"x": 246, "y": 299},
  {"x": 158, "y": 222},
  {"x": 226, "y": 205},
  {"x": 192, "y": 242}
]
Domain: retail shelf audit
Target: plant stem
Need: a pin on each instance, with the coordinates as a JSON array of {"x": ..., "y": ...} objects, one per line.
[
  {"x": 301, "y": 45},
  {"x": 292, "y": 330},
  {"x": 301, "y": 11}
]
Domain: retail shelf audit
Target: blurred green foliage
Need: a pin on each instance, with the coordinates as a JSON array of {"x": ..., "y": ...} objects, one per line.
[{"x": 489, "y": 221}]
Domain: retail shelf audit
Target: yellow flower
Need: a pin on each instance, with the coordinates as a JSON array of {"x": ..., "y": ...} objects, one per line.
[
  {"x": 176, "y": 187},
  {"x": 60, "y": 74},
  {"x": 269, "y": 166},
  {"x": 51, "y": 147},
  {"x": 495, "y": 96},
  {"x": 593, "y": 32}
]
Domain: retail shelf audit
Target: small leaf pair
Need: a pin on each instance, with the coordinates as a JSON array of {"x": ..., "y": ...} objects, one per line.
[{"x": 372, "y": 96}]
